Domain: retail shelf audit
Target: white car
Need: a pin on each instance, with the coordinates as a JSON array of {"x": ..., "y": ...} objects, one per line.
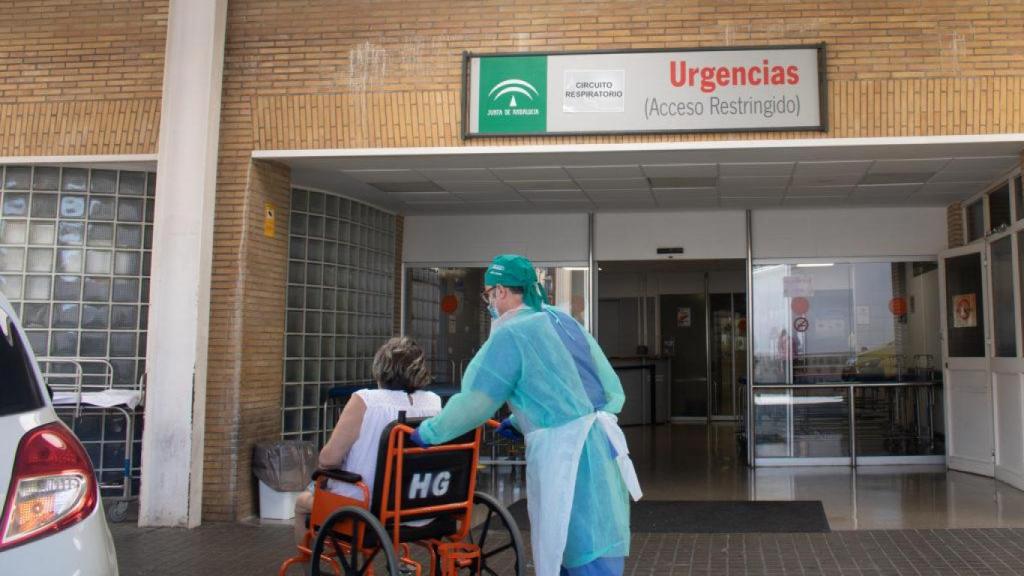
[{"x": 52, "y": 520}]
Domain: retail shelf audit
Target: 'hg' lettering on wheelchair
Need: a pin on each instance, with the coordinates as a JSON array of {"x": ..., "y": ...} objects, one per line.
[{"x": 422, "y": 485}]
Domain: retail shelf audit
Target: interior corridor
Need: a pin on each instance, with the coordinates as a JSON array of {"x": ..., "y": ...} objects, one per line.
[{"x": 704, "y": 462}]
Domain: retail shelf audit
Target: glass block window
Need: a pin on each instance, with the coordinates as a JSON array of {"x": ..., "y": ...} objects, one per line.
[
  {"x": 75, "y": 247},
  {"x": 423, "y": 315},
  {"x": 341, "y": 269}
]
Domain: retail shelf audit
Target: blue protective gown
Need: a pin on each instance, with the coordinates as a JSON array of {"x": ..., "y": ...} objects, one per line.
[{"x": 550, "y": 371}]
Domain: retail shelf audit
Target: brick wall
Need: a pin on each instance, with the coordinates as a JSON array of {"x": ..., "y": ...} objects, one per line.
[
  {"x": 82, "y": 77},
  {"x": 245, "y": 405},
  {"x": 955, "y": 225}
]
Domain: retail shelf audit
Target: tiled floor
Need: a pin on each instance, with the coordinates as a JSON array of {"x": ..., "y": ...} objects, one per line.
[
  {"x": 228, "y": 549},
  {"x": 887, "y": 520}
]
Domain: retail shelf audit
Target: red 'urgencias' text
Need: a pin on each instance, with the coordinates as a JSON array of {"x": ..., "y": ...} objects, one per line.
[{"x": 711, "y": 77}]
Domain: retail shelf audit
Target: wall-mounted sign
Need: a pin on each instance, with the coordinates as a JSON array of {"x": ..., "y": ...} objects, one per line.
[
  {"x": 801, "y": 324},
  {"x": 797, "y": 286},
  {"x": 799, "y": 305},
  {"x": 965, "y": 311},
  {"x": 898, "y": 306},
  {"x": 684, "y": 317},
  {"x": 705, "y": 90},
  {"x": 269, "y": 220},
  {"x": 449, "y": 304}
]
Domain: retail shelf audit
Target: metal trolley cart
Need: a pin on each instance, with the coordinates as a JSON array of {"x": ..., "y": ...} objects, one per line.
[{"x": 81, "y": 386}]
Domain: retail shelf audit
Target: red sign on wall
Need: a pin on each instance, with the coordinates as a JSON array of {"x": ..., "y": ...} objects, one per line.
[
  {"x": 800, "y": 305},
  {"x": 449, "y": 304}
]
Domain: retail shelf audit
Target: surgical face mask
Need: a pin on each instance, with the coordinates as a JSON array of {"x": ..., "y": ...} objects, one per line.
[
  {"x": 501, "y": 319},
  {"x": 493, "y": 311}
]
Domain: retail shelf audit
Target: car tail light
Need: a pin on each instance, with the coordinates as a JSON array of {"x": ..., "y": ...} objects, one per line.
[{"x": 53, "y": 486}]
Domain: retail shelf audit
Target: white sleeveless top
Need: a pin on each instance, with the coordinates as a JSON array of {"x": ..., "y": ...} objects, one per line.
[{"x": 382, "y": 408}]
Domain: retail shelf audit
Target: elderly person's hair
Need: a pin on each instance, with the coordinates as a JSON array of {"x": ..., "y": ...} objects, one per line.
[{"x": 400, "y": 365}]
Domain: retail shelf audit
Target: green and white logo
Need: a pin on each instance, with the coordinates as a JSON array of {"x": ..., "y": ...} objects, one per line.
[{"x": 513, "y": 94}]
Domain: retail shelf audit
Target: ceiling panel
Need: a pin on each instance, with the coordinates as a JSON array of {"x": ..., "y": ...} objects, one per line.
[
  {"x": 407, "y": 186},
  {"x": 489, "y": 196},
  {"x": 613, "y": 171},
  {"x": 543, "y": 195},
  {"x": 897, "y": 177},
  {"x": 811, "y": 191},
  {"x": 555, "y": 205},
  {"x": 475, "y": 186},
  {"x": 726, "y": 185},
  {"x": 886, "y": 190},
  {"x": 543, "y": 184},
  {"x": 423, "y": 196},
  {"x": 756, "y": 169},
  {"x": 684, "y": 203},
  {"x": 908, "y": 165},
  {"x": 962, "y": 189},
  {"x": 457, "y": 174},
  {"x": 640, "y": 194},
  {"x": 755, "y": 193},
  {"x": 626, "y": 204},
  {"x": 727, "y": 202},
  {"x": 531, "y": 173},
  {"x": 680, "y": 170},
  {"x": 816, "y": 201},
  {"x": 394, "y": 175},
  {"x": 613, "y": 183},
  {"x": 808, "y": 169},
  {"x": 983, "y": 164}
]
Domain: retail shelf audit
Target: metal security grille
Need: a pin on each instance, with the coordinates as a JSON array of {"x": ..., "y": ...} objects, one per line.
[
  {"x": 75, "y": 248},
  {"x": 341, "y": 269}
]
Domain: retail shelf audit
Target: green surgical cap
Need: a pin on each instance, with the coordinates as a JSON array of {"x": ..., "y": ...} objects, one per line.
[{"x": 513, "y": 270}]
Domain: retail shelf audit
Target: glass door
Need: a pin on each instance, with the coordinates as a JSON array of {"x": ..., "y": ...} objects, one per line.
[
  {"x": 968, "y": 385},
  {"x": 728, "y": 353},
  {"x": 684, "y": 340}
]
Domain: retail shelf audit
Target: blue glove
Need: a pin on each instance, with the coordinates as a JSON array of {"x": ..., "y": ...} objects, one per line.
[
  {"x": 418, "y": 440},
  {"x": 507, "y": 430}
]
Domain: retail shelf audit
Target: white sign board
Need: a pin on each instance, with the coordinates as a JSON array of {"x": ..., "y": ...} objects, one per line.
[
  {"x": 717, "y": 90},
  {"x": 797, "y": 286}
]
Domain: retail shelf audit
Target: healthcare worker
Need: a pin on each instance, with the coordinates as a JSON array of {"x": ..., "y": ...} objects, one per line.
[{"x": 563, "y": 393}]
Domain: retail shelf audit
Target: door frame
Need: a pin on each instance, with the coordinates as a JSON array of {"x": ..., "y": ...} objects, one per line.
[
  {"x": 1005, "y": 365},
  {"x": 982, "y": 364}
]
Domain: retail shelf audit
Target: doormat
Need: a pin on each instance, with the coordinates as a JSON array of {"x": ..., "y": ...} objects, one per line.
[{"x": 715, "y": 516}]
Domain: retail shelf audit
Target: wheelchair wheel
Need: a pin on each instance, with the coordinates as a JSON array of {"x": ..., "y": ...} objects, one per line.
[
  {"x": 351, "y": 558},
  {"x": 498, "y": 552}
]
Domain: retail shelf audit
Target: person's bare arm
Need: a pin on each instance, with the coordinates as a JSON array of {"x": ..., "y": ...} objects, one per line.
[{"x": 345, "y": 433}]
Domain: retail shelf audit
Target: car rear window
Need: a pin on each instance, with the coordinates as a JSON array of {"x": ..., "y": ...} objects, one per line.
[{"x": 19, "y": 391}]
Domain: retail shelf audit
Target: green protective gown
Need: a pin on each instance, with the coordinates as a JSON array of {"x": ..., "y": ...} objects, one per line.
[{"x": 525, "y": 363}]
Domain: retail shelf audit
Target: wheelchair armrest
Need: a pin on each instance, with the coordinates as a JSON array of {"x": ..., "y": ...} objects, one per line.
[{"x": 337, "y": 474}]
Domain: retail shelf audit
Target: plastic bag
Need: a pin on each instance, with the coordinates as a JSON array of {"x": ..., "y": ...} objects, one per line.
[{"x": 286, "y": 465}]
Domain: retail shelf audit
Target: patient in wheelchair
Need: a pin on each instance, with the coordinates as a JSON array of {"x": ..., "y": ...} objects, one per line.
[{"x": 401, "y": 373}]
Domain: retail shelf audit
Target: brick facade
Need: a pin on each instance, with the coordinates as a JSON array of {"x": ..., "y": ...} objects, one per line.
[
  {"x": 245, "y": 406},
  {"x": 85, "y": 78},
  {"x": 955, "y": 225},
  {"x": 81, "y": 77}
]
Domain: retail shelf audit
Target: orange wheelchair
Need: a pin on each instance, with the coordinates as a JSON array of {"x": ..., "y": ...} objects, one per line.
[{"x": 424, "y": 498}]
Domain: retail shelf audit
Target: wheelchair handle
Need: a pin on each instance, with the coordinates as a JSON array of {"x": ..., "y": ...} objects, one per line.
[
  {"x": 337, "y": 474},
  {"x": 405, "y": 428}
]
